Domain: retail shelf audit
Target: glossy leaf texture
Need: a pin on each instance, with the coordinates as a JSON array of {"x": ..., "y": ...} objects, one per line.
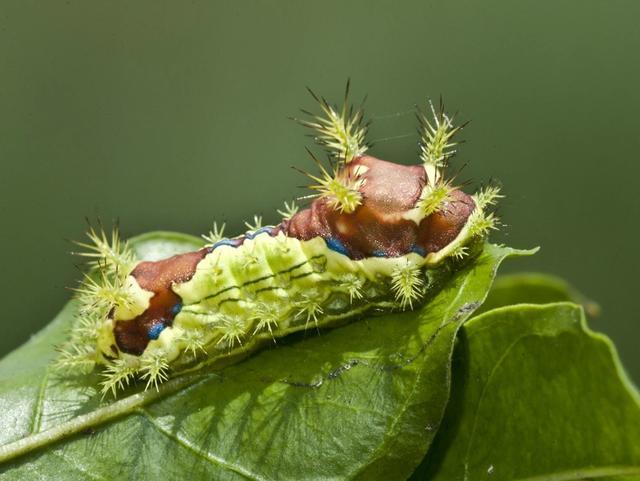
[
  {"x": 536, "y": 396},
  {"x": 362, "y": 401},
  {"x": 534, "y": 288}
]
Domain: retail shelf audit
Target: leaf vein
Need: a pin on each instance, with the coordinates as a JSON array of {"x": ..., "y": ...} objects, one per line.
[
  {"x": 71, "y": 462},
  {"x": 480, "y": 399},
  {"x": 38, "y": 407},
  {"x": 205, "y": 455},
  {"x": 589, "y": 473}
]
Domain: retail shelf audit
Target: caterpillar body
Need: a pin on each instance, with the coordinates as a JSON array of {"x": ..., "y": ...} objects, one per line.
[{"x": 377, "y": 235}]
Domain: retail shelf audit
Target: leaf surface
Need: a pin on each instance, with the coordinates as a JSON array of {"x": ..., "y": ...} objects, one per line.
[
  {"x": 362, "y": 401},
  {"x": 534, "y": 288},
  {"x": 536, "y": 396}
]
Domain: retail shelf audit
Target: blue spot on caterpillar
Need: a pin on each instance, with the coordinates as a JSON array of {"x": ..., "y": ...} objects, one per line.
[
  {"x": 177, "y": 307},
  {"x": 374, "y": 236},
  {"x": 155, "y": 330},
  {"x": 336, "y": 245}
]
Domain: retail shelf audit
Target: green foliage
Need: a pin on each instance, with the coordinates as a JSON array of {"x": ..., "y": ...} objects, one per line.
[
  {"x": 534, "y": 288},
  {"x": 534, "y": 396}
]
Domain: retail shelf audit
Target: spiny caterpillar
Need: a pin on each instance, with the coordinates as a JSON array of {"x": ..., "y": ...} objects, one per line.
[{"x": 376, "y": 235}]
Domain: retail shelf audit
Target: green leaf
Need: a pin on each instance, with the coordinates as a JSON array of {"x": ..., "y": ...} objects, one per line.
[
  {"x": 536, "y": 396},
  {"x": 534, "y": 288},
  {"x": 363, "y": 401}
]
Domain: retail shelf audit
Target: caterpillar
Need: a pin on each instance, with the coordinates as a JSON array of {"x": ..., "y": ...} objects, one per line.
[{"x": 376, "y": 235}]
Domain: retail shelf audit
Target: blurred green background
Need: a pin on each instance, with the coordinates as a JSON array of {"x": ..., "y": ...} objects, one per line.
[{"x": 169, "y": 115}]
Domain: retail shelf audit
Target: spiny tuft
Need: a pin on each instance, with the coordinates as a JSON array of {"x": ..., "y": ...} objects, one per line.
[
  {"x": 85, "y": 326},
  {"x": 154, "y": 368},
  {"x": 104, "y": 252},
  {"x": 341, "y": 191},
  {"x": 249, "y": 259},
  {"x": 117, "y": 376},
  {"x": 460, "y": 252},
  {"x": 481, "y": 221},
  {"x": 216, "y": 234},
  {"x": 194, "y": 341},
  {"x": 488, "y": 196},
  {"x": 267, "y": 316},
  {"x": 353, "y": 285},
  {"x": 76, "y": 357},
  {"x": 436, "y": 136},
  {"x": 233, "y": 329},
  {"x": 290, "y": 209},
  {"x": 407, "y": 284},
  {"x": 309, "y": 306},
  {"x": 104, "y": 293},
  {"x": 434, "y": 196},
  {"x": 256, "y": 224},
  {"x": 341, "y": 131}
]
